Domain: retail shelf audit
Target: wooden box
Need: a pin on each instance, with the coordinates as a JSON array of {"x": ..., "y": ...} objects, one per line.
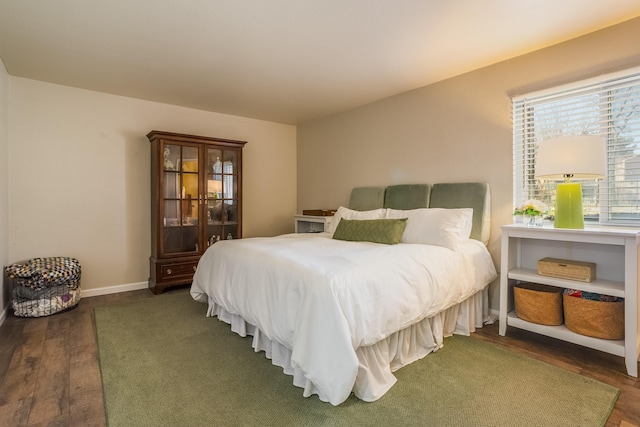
[
  {"x": 538, "y": 303},
  {"x": 319, "y": 212},
  {"x": 598, "y": 319},
  {"x": 566, "y": 269}
]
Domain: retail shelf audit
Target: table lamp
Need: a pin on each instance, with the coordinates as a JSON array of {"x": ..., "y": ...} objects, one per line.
[
  {"x": 571, "y": 157},
  {"x": 214, "y": 188}
]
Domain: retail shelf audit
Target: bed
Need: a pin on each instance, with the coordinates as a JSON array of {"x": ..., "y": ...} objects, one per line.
[{"x": 341, "y": 313}]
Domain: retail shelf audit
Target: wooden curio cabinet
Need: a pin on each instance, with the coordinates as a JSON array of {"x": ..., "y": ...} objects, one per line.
[{"x": 196, "y": 200}]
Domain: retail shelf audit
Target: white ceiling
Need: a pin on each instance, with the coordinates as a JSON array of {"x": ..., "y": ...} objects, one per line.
[{"x": 280, "y": 60}]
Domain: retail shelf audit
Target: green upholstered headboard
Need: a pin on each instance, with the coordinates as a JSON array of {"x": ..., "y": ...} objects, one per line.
[
  {"x": 367, "y": 198},
  {"x": 407, "y": 196},
  {"x": 475, "y": 195}
]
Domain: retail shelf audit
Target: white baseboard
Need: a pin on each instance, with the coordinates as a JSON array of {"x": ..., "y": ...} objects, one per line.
[{"x": 114, "y": 289}]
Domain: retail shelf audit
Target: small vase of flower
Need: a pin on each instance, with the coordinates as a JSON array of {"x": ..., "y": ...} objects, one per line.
[{"x": 531, "y": 212}]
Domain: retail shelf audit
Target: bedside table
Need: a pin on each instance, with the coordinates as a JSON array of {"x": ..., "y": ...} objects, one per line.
[
  {"x": 615, "y": 252},
  {"x": 311, "y": 223}
]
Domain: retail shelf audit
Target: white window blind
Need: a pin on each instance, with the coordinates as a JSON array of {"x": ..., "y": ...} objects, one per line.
[{"x": 608, "y": 106}]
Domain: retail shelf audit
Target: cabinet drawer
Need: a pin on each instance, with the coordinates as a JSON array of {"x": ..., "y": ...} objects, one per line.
[{"x": 168, "y": 271}]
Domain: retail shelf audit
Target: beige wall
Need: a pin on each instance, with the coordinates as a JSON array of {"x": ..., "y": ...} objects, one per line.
[
  {"x": 79, "y": 176},
  {"x": 4, "y": 187},
  {"x": 455, "y": 130}
]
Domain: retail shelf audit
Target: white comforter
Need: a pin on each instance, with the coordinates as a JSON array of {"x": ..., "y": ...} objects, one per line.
[{"x": 323, "y": 298}]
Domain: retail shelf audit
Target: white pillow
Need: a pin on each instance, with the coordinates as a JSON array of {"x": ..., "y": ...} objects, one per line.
[
  {"x": 435, "y": 226},
  {"x": 347, "y": 213}
]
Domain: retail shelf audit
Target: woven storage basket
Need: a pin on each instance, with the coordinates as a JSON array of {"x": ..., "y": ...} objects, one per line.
[
  {"x": 538, "y": 303},
  {"x": 44, "y": 286},
  {"x": 598, "y": 319}
]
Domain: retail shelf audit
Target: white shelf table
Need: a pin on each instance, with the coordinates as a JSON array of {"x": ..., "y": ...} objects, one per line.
[
  {"x": 615, "y": 252},
  {"x": 311, "y": 223}
]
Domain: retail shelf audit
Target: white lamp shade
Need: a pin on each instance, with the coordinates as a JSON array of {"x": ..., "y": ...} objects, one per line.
[
  {"x": 581, "y": 157},
  {"x": 214, "y": 186}
]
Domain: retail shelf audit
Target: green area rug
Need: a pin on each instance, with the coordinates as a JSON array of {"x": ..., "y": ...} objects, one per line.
[{"x": 164, "y": 363}]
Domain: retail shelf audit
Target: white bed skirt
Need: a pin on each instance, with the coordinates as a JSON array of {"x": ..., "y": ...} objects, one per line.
[{"x": 377, "y": 362}]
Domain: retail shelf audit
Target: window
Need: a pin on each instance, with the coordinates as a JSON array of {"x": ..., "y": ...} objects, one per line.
[
  {"x": 608, "y": 106},
  {"x": 225, "y": 170}
]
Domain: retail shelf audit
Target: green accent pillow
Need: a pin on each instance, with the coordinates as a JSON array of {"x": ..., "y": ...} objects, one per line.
[{"x": 387, "y": 231}]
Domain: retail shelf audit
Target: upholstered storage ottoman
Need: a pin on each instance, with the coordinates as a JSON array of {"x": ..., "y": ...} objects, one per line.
[
  {"x": 594, "y": 315},
  {"x": 44, "y": 286},
  {"x": 538, "y": 303}
]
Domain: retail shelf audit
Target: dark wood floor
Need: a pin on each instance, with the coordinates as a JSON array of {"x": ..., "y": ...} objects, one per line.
[{"x": 50, "y": 375}]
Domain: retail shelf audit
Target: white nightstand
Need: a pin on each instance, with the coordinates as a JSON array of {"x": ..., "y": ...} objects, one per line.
[
  {"x": 311, "y": 223},
  {"x": 615, "y": 252}
]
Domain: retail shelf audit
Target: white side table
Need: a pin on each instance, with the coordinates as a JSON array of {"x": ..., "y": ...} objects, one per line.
[
  {"x": 311, "y": 223},
  {"x": 615, "y": 252}
]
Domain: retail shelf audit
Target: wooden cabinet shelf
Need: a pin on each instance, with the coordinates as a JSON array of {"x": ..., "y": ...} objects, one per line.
[
  {"x": 196, "y": 199},
  {"x": 615, "y": 253}
]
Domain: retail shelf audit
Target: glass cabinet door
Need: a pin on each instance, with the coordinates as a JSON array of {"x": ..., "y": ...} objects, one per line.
[
  {"x": 180, "y": 191},
  {"x": 222, "y": 201}
]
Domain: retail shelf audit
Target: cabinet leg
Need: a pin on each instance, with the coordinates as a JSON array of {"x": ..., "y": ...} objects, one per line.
[{"x": 632, "y": 366}]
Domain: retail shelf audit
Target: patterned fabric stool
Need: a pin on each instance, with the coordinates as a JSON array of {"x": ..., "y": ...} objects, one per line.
[{"x": 44, "y": 286}]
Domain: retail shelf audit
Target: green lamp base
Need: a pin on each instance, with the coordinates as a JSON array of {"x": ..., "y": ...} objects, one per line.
[{"x": 569, "y": 206}]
